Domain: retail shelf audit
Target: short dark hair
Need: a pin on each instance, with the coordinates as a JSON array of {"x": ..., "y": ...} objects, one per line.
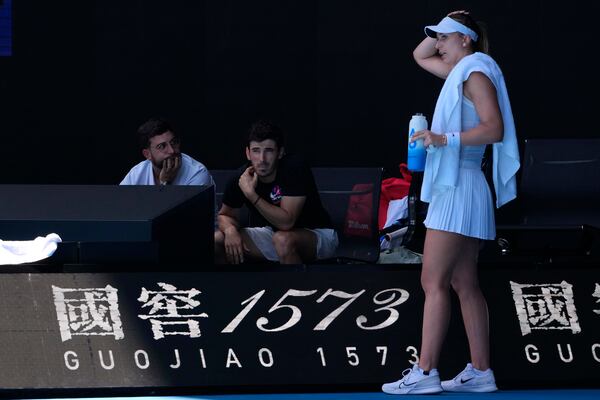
[
  {"x": 263, "y": 130},
  {"x": 153, "y": 127}
]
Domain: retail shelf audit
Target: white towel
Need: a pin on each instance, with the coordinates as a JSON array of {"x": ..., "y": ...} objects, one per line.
[
  {"x": 24, "y": 251},
  {"x": 442, "y": 164},
  {"x": 397, "y": 209}
]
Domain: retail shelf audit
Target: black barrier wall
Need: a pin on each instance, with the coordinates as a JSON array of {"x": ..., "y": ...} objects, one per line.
[
  {"x": 317, "y": 326},
  {"x": 337, "y": 75},
  {"x": 108, "y": 224}
]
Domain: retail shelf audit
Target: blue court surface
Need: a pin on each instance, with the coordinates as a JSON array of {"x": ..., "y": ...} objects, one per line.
[{"x": 570, "y": 394}]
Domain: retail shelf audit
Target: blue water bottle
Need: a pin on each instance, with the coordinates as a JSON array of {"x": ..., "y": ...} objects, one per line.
[{"x": 416, "y": 149}]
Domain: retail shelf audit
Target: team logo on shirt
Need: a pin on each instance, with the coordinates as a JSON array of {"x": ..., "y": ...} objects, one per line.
[{"x": 276, "y": 194}]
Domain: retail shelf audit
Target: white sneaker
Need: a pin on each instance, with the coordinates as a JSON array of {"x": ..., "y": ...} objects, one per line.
[
  {"x": 471, "y": 380},
  {"x": 414, "y": 381}
]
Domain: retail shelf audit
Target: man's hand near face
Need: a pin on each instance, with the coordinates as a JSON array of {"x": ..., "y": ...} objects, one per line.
[
  {"x": 248, "y": 181},
  {"x": 170, "y": 167}
]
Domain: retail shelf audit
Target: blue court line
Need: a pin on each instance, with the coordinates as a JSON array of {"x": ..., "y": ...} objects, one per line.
[{"x": 571, "y": 394}]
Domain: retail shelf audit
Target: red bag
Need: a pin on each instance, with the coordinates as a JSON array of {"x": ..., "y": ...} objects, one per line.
[
  {"x": 360, "y": 211},
  {"x": 393, "y": 189}
]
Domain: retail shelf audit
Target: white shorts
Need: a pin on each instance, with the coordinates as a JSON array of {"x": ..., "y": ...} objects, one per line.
[{"x": 327, "y": 242}]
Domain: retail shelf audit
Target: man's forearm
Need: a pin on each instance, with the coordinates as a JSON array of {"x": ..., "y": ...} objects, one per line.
[
  {"x": 277, "y": 216},
  {"x": 225, "y": 223}
]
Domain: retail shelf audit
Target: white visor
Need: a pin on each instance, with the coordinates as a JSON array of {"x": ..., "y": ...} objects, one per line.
[{"x": 448, "y": 25}]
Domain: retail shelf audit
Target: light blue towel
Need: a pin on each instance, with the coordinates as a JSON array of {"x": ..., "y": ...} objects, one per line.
[{"x": 442, "y": 164}]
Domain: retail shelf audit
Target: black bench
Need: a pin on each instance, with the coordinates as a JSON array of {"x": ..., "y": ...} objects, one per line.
[{"x": 559, "y": 197}]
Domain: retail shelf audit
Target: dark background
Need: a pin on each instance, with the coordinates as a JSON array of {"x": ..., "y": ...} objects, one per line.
[{"x": 337, "y": 75}]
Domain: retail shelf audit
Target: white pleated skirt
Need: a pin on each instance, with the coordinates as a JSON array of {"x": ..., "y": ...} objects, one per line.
[{"x": 466, "y": 209}]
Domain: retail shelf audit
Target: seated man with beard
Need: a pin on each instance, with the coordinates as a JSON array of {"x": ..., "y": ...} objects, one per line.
[
  {"x": 164, "y": 162},
  {"x": 289, "y": 223}
]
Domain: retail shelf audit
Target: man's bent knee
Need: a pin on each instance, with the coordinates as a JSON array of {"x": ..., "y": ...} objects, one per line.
[
  {"x": 219, "y": 247},
  {"x": 219, "y": 237},
  {"x": 284, "y": 242}
]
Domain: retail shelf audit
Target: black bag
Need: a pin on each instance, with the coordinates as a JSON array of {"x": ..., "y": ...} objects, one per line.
[{"x": 414, "y": 239}]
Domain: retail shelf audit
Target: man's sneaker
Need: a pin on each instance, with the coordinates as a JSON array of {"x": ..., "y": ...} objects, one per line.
[
  {"x": 414, "y": 381},
  {"x": 471, "y": 380}
]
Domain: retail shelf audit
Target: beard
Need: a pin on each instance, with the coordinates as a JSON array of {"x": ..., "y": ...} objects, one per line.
[
  {"x": 159, "y": 164},
  {"x": 264, "y": 170}
]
